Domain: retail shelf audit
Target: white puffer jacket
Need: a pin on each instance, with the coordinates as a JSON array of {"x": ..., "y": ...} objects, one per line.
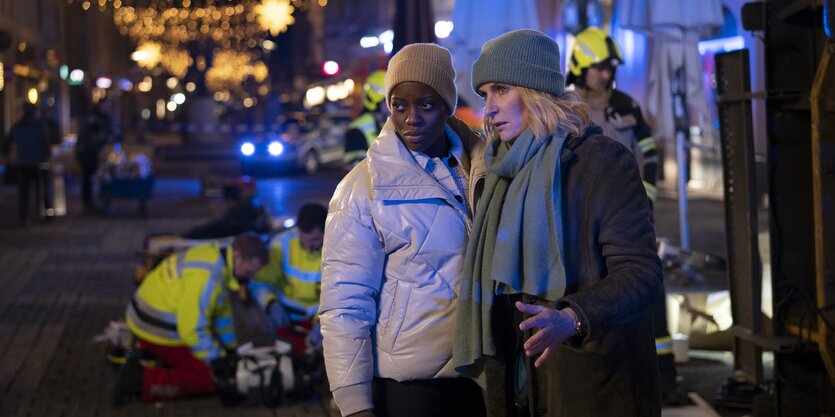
[{"x": 391, "y": 263}]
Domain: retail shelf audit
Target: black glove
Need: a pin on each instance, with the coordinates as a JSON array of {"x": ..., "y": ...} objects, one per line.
[
  {"x": 224, "y": 370},
  {"x": 224, "y": 366}
]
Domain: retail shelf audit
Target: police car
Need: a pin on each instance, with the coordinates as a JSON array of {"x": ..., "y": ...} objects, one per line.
[{"x": 296, "y": 147}]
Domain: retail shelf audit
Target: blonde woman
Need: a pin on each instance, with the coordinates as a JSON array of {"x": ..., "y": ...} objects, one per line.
[{"x": 561, "y": 268}]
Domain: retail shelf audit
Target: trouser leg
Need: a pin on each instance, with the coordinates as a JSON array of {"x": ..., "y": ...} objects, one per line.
[
  {"x": 88, "y": 165},
  {"x": 663, "y": 342},
  {"x": 446, "y": 397},
  {"x": 46, "y": 195},
  {"x": 24, "y": 188},
  {"x": 40, "y": 193},
  {"x": 179, "y": 374}
]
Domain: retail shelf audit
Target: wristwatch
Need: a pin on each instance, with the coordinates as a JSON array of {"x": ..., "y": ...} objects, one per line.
[{"x": 578, "y": 325}]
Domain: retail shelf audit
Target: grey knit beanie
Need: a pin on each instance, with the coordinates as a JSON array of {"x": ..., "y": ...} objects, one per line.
[
  {"x": 524, "y": 58},
  {"x": 425, "y": 63}
]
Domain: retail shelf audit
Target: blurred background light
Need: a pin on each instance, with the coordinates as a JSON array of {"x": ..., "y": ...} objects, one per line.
[
  {"x": 314, "y": 96},
  {"x": 443, "y": 28},
  {"x": 32, "y": 95},
  {"x": 104, "y": 82},
  {"x": 76, "y": 77},
  {"x": 274, "y": 15},
  {"x": 330, "y": 68},
  {"x": 179, "y": 98},
  {"x": 275, "y": 148},
  {"x": 387, "y": 36},
  {"x": 145, "y": 85},
  {"x": 160, "y": 109},
  {"x": 369, "y": 41},
  {"x": 247, "y": 148}
]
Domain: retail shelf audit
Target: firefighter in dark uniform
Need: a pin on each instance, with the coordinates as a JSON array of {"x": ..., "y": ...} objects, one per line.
[{"x": 594, "y": 61}]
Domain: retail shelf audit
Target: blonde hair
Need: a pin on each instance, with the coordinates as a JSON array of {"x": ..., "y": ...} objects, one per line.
[{"x": 546, "y": 113}]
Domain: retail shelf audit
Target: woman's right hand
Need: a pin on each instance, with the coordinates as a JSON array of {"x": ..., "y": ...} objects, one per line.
[{"x": 552, "y": 328}]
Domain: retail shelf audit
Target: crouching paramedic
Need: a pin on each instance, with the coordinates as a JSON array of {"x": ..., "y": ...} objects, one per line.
[
  {"x": 182, "y": 315},
  {"x": 288, "y": 287}
]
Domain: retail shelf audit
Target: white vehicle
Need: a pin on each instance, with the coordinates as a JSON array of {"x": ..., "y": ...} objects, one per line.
[{"x": 297, "y": 147}]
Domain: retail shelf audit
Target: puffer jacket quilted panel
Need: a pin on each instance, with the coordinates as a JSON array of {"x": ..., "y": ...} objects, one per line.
[{"x": 394, "y": 243}]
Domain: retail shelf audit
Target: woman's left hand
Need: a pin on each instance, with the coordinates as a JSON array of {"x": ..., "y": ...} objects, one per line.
[{"x": 553, "y": 327}]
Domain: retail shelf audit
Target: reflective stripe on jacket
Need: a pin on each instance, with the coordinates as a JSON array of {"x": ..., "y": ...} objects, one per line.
[
  {"x": 292, "y": 275},
  {"x": 623, "y": 121},
  {"x": 184, "y": 301}
]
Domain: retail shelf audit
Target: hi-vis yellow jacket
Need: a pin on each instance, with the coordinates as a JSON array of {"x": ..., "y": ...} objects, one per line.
[
  {"x": 367, "y": 125},
  {"x": 293, "y": 276},
  {"x": 185, "y": 301}
]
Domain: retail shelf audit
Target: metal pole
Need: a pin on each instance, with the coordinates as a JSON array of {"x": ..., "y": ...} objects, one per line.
[
  {"x": 682, "y": 129},
  {"x": 681, "y": 160}
]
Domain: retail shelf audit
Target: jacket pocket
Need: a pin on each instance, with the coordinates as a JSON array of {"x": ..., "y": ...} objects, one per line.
[
  {"x": 396, "y": 317},
  {"x": 387, "y": 296}
]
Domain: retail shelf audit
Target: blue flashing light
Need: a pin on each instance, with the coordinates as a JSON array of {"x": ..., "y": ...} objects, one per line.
[
  {"x": 247, "y": 149},
  {"x": 275, "y": 148}
]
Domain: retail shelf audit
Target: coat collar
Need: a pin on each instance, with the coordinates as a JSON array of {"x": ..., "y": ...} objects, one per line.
[
  {"x": 392, "y": 168},
  {"x": 394, "y": 173}
]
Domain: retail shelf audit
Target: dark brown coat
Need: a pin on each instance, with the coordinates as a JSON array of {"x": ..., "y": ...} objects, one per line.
[{"x": 613, "y": 277}]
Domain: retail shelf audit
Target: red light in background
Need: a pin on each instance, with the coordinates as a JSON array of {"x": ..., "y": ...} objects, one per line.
[{"x": 330, "y": 68}]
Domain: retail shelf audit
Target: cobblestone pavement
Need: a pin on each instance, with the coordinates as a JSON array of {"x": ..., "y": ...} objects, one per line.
[{"x": 62, "y": 282}]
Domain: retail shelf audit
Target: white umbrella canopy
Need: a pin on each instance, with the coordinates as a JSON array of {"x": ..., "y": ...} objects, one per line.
[
  {"x": 674, "y": 29},
  {"x": 674, "y": 90},
  {"x": 476, "y": 22}
]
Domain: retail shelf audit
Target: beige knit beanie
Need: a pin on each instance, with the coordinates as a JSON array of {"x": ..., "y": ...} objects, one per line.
[{"x": 425, "y": 63}]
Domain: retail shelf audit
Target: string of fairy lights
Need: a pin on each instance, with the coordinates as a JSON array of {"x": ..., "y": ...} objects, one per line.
[{"x": 162, "y": 29}]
